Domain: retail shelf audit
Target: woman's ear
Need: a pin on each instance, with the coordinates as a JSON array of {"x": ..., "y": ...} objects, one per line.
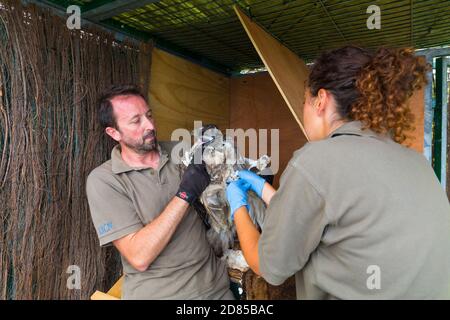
[{"x": 321, "y": 101}]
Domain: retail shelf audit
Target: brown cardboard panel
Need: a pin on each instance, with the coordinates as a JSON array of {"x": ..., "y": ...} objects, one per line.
[{"x": 255, "y": 102}]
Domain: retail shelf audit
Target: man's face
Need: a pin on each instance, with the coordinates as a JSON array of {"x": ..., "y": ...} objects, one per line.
[{"x": 135, "y": 125}]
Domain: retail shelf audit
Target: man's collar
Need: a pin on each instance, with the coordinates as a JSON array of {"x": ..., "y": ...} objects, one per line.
[
  {"x": 352, "y": 128},
  {"x": 119, "y": 165}
]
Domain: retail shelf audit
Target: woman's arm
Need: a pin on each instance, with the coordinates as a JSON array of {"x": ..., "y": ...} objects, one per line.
[
  {"x": 248, "y": 236},
  {"x": 258, "y": 185},
  {"x": 267, "y": 193},
  {"x": 247, "y": 232}
]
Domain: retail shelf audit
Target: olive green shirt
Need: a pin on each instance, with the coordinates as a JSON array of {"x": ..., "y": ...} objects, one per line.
[
  {"x": 123, "y": 200},
  {"x": 358, "y": 216}
]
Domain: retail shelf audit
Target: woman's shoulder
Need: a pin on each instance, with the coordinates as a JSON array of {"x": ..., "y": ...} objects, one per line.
[
  {"x": 352, "y": 151},
  {"x": 312, "y": 154}
]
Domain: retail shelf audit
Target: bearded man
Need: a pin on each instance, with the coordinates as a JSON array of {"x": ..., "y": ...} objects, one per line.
[{"x": 141, "y": 204}]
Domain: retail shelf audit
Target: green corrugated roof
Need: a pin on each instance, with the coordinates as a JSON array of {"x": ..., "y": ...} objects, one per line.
[{"x": 209, "y": 29}]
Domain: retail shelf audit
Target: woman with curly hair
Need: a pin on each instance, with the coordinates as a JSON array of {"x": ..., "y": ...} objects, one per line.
[{"x": 357, "y": 215}]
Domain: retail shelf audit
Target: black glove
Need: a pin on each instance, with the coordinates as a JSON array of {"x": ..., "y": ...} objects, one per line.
[{"x": 194, "y": 182}]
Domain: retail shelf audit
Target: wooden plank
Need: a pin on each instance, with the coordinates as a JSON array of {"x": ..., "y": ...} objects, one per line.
[
  {"x": 115, "y": 293},
  {"x": 98, "y": 295},
  {"x": 116, "y": 289},
  {"x": 181, "y": 92},
  {"x": 256, "y": 288},
  {"x": 288, "y": 71}
]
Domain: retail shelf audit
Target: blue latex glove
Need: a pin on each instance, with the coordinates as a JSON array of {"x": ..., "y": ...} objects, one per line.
[
  {"x": 237, "y": 195},
  {"x": 256, "y": 182}
]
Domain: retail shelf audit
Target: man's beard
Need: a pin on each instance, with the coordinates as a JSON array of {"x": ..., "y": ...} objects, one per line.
[{"x": 147, "y": 144}]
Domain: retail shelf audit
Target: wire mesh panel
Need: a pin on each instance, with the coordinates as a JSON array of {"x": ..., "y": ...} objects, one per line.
[{"x": 209, "y": 29}]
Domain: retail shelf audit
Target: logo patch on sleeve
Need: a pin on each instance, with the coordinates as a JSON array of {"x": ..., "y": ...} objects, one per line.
[
  {"x": 183, "y": 195},
  {"x": 105, "y": 228}
]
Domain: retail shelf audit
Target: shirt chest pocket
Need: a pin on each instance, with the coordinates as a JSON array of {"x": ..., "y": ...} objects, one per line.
[
  {"x": 170, "y": 181},
  {"x": 150, "y": 196}
]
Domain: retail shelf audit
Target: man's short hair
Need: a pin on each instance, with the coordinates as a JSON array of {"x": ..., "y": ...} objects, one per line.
[{"x": 105, "y": 110}]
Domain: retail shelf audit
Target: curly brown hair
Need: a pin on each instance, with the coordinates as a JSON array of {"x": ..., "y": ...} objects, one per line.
[{"x": 372, "y": 88}]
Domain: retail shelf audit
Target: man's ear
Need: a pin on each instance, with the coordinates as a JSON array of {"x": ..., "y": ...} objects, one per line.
[{"x": 113, "y": 133}]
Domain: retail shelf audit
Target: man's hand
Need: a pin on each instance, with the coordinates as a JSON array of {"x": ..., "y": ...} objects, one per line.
[
  {"x": 194, "y": 182},
  {"x": 237, "y": 195}
]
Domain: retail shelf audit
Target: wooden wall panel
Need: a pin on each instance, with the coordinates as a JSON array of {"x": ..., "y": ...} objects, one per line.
[
  {"x": 181, "y": 92},
  {"x": 417, "y": 105},
  {"x": 255, "y": 102}
]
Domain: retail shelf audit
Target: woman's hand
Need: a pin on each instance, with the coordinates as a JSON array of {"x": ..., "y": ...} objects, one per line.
[
  {"x": 237, "y": 195},
  {"x": 258, "y": 185},
  {"x": 256, "y": 182}
]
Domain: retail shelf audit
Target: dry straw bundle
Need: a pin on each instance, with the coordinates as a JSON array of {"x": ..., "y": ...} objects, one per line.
[{"x": 50, "y": 78}]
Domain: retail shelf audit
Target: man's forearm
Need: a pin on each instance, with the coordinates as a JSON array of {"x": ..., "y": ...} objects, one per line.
[{"x": 142, "y": 247}]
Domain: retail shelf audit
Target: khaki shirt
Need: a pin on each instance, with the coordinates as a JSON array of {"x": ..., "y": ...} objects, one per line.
[
  {"x": 123, "y": 200},
  {"x": 358, "y": 216}
]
